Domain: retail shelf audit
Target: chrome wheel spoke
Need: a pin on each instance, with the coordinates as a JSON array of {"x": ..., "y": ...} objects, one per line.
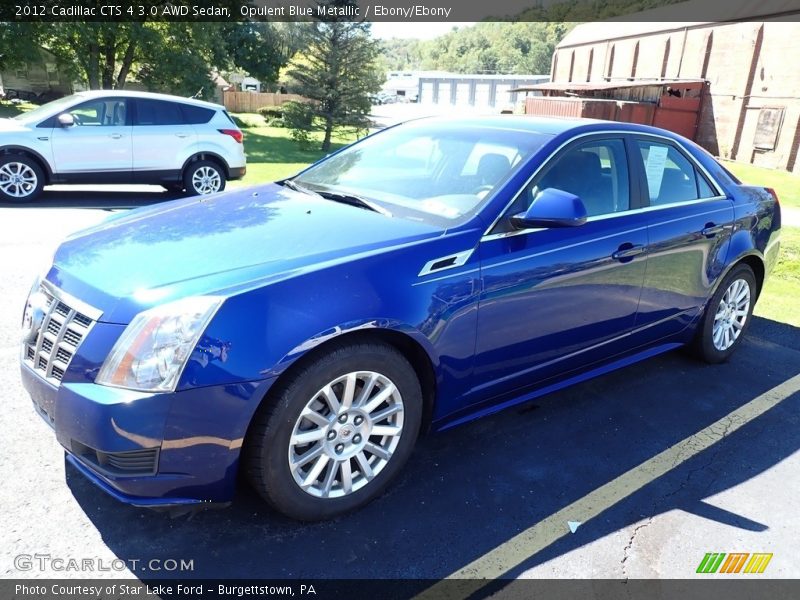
[
  {"x": 316, "y": 470},
  {"x": 363, "y": 465},
  {"x": 385, "y": 430},
  {"x": 347, "y": 476},
  {"x": 307, "y": 437}
]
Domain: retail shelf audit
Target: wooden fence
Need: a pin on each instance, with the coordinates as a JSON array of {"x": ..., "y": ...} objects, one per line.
[{"x": 250, "y": 102}]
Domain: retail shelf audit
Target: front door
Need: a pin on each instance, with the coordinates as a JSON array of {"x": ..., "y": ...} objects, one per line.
[
  {"x": 558, "y": 299},
  {"x": 99, "y": 143}
]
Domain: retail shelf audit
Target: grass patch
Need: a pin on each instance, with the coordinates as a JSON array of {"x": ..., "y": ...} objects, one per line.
[
  {"x": 780, "y": 300},
  {"x": 12, "y": 109},
  {"x": 786, "y": 184},
  {"x": 273, "y": 154}
]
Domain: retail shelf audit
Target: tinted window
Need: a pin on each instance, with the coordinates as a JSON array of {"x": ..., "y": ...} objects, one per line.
[
  {"x": 196, "y": 115},
  {"x": 596, "y": 172},
  {"x": 670, "y": 176},
  {"x": 103, "y": 112},
  {"x": 158, "y": 112}
]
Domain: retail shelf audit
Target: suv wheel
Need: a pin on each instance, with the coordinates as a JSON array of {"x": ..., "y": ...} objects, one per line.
[
  {"x": 204, "y": 177},
  {"x": 21, "y": 178}
]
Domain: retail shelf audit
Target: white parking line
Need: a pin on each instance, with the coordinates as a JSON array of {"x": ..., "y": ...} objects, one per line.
[{"x": 521, "y": 547}]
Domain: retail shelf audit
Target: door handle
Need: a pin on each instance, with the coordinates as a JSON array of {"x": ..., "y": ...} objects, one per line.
[
  {"x": 710, "y": 230},
  {"x": 115, "y": 136},
  {"x": 627, "y": 251},
  {"x": 182, "y": 135}
]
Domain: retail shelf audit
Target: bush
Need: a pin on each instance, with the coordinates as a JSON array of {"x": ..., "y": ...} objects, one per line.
[
  {"x": 276, "y": 122},
  {"x": 271, "y": 112},
  {"x": 248, "y": 120},
  {"x": 299, "y": 117}
]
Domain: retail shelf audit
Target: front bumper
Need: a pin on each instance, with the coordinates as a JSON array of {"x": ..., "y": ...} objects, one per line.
[{"x": 151, "y": 449}]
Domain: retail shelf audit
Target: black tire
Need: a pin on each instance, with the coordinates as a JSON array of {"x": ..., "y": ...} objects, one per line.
[
  {"x": 173, "y": 188},
  {"x": 703, "y": 346},
  {"x": 12, "y": 165},
  {"x": 190, "y": 183},
  {"x": 267, "y": 447}
]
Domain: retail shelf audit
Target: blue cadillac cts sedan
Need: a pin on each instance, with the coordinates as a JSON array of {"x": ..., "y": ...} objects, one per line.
[{"x": 305, "y": 332}]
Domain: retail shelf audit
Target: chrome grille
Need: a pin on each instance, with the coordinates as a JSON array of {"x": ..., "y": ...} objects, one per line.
[{"x": 66, "y": 322}]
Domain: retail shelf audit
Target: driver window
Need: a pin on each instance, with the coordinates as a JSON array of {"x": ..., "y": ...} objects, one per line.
[
  {"x": 109, "y": 112},
  {"x": 596, "y": 172}
]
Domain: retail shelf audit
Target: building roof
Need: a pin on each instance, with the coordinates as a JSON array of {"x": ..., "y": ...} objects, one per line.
[
  {"x": 673, "y": 18},
  {"x": 605, "y": 85}
]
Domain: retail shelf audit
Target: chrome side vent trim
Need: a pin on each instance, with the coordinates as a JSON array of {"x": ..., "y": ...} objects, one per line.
[{"x": 446, "y": 262}]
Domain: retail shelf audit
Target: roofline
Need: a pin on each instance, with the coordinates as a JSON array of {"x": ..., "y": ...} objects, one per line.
[{"x": 150, "y": 95}]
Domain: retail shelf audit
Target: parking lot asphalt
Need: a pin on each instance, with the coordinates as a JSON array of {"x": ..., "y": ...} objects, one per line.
[{"x": 480, "y": 494}]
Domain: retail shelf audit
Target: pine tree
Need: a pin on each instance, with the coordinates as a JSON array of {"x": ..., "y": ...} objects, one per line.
[{"x": 337, "y": 70}]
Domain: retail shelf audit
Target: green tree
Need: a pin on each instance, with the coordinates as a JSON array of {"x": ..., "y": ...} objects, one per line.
[
  {"x": 166, "y": 56},
  {"x": 337, "y": 71}
]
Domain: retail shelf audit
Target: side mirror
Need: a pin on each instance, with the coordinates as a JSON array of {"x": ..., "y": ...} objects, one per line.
[
  {"x": 66, "y": 120},
  {"x": 552, "y": 208}
]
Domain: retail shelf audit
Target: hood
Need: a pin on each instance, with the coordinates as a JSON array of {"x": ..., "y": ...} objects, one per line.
[
  {"x": 203, "y": 245},
  {"x": 12, "y": 125}
]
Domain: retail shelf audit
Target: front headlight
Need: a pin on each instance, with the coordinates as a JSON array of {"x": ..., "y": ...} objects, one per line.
[{"x": 152, "y": 352}]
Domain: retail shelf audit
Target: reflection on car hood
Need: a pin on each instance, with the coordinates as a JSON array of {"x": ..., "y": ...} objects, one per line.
[
  {"x": 11, "y": 125},
  {"x": 196, "y": 245}
]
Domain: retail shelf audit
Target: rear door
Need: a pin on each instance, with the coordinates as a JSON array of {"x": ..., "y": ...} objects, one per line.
[
  {"x": 162, "y": 141},
  {"x": 98, "y": 143},
  {"x": 690, "y": 221}
]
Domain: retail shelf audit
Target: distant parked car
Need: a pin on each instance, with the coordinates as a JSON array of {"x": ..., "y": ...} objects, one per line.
[
  {"x": 305, "y": 332},
  {"x": 120, "y": 137}
]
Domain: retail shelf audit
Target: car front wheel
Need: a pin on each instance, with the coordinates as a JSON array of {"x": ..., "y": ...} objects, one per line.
[
  {"x": 21, "y": 179},
  {"x": 727, "y": 316},
  {"x": 332, "y": 437},
  {"x": 204, "y": 177}
]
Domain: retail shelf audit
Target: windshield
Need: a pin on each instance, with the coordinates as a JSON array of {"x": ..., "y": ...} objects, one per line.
[
  {"x": 437, "y": 172},
  {"x": 45, "y": 110}
]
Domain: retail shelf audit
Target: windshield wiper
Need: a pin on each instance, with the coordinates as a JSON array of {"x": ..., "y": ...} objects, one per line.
[
  {"x": 354, "y": 200},
  {"x": 296, "y": 187},
  {"x": 345, "y": 198}
]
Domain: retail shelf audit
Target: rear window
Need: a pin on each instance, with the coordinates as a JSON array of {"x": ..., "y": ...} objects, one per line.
[
  {"x": 196, "y": 115},
  {"x": 157, "y": 112}
]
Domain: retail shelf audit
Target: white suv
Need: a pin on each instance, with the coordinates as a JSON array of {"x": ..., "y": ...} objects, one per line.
[{"x": 120, "y": 137}]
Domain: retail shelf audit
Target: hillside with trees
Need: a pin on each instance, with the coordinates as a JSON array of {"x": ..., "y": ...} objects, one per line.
[{"x": 486, "y": 48}]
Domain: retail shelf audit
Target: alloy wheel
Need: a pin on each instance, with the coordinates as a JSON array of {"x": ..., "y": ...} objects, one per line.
[
  {"x": 731, "y": 315},
  {"x": 346, "y": 434},
  {"x": 18, "y": 180},
  {"x": 206, "y": 180}
]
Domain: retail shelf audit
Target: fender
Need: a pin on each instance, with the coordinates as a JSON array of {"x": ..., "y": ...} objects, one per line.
[
  {"x": 346, "y": 329},
  {"x": 214, "y": 155},
  {"x": 14, "y": 149}
]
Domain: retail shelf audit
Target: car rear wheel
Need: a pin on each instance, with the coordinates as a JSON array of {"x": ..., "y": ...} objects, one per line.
[
  {"x": 21, "y": 178},
  {"x": 332, "y": 437},
  {"x": 204, "y": 177},
  {"x": 727, "y": 316}
]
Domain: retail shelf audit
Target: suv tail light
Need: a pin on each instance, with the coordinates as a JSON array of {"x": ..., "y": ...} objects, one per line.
[{"x": 234, "y": 133}]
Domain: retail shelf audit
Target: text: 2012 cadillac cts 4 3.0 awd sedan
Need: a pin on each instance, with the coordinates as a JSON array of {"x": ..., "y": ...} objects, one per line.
[{"x": 305, "y": 332}]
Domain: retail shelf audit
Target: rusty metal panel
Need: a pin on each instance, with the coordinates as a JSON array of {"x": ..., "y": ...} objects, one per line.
[
  {"x": 635, "y": 112},
  {"x": 553, "y": 107},
  {"x": 680, "y": 121}
]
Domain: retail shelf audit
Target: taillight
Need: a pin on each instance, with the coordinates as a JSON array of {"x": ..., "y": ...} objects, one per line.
[
  {"x": 774, "y": 194},
  {"x": 234, "y": 133}
]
